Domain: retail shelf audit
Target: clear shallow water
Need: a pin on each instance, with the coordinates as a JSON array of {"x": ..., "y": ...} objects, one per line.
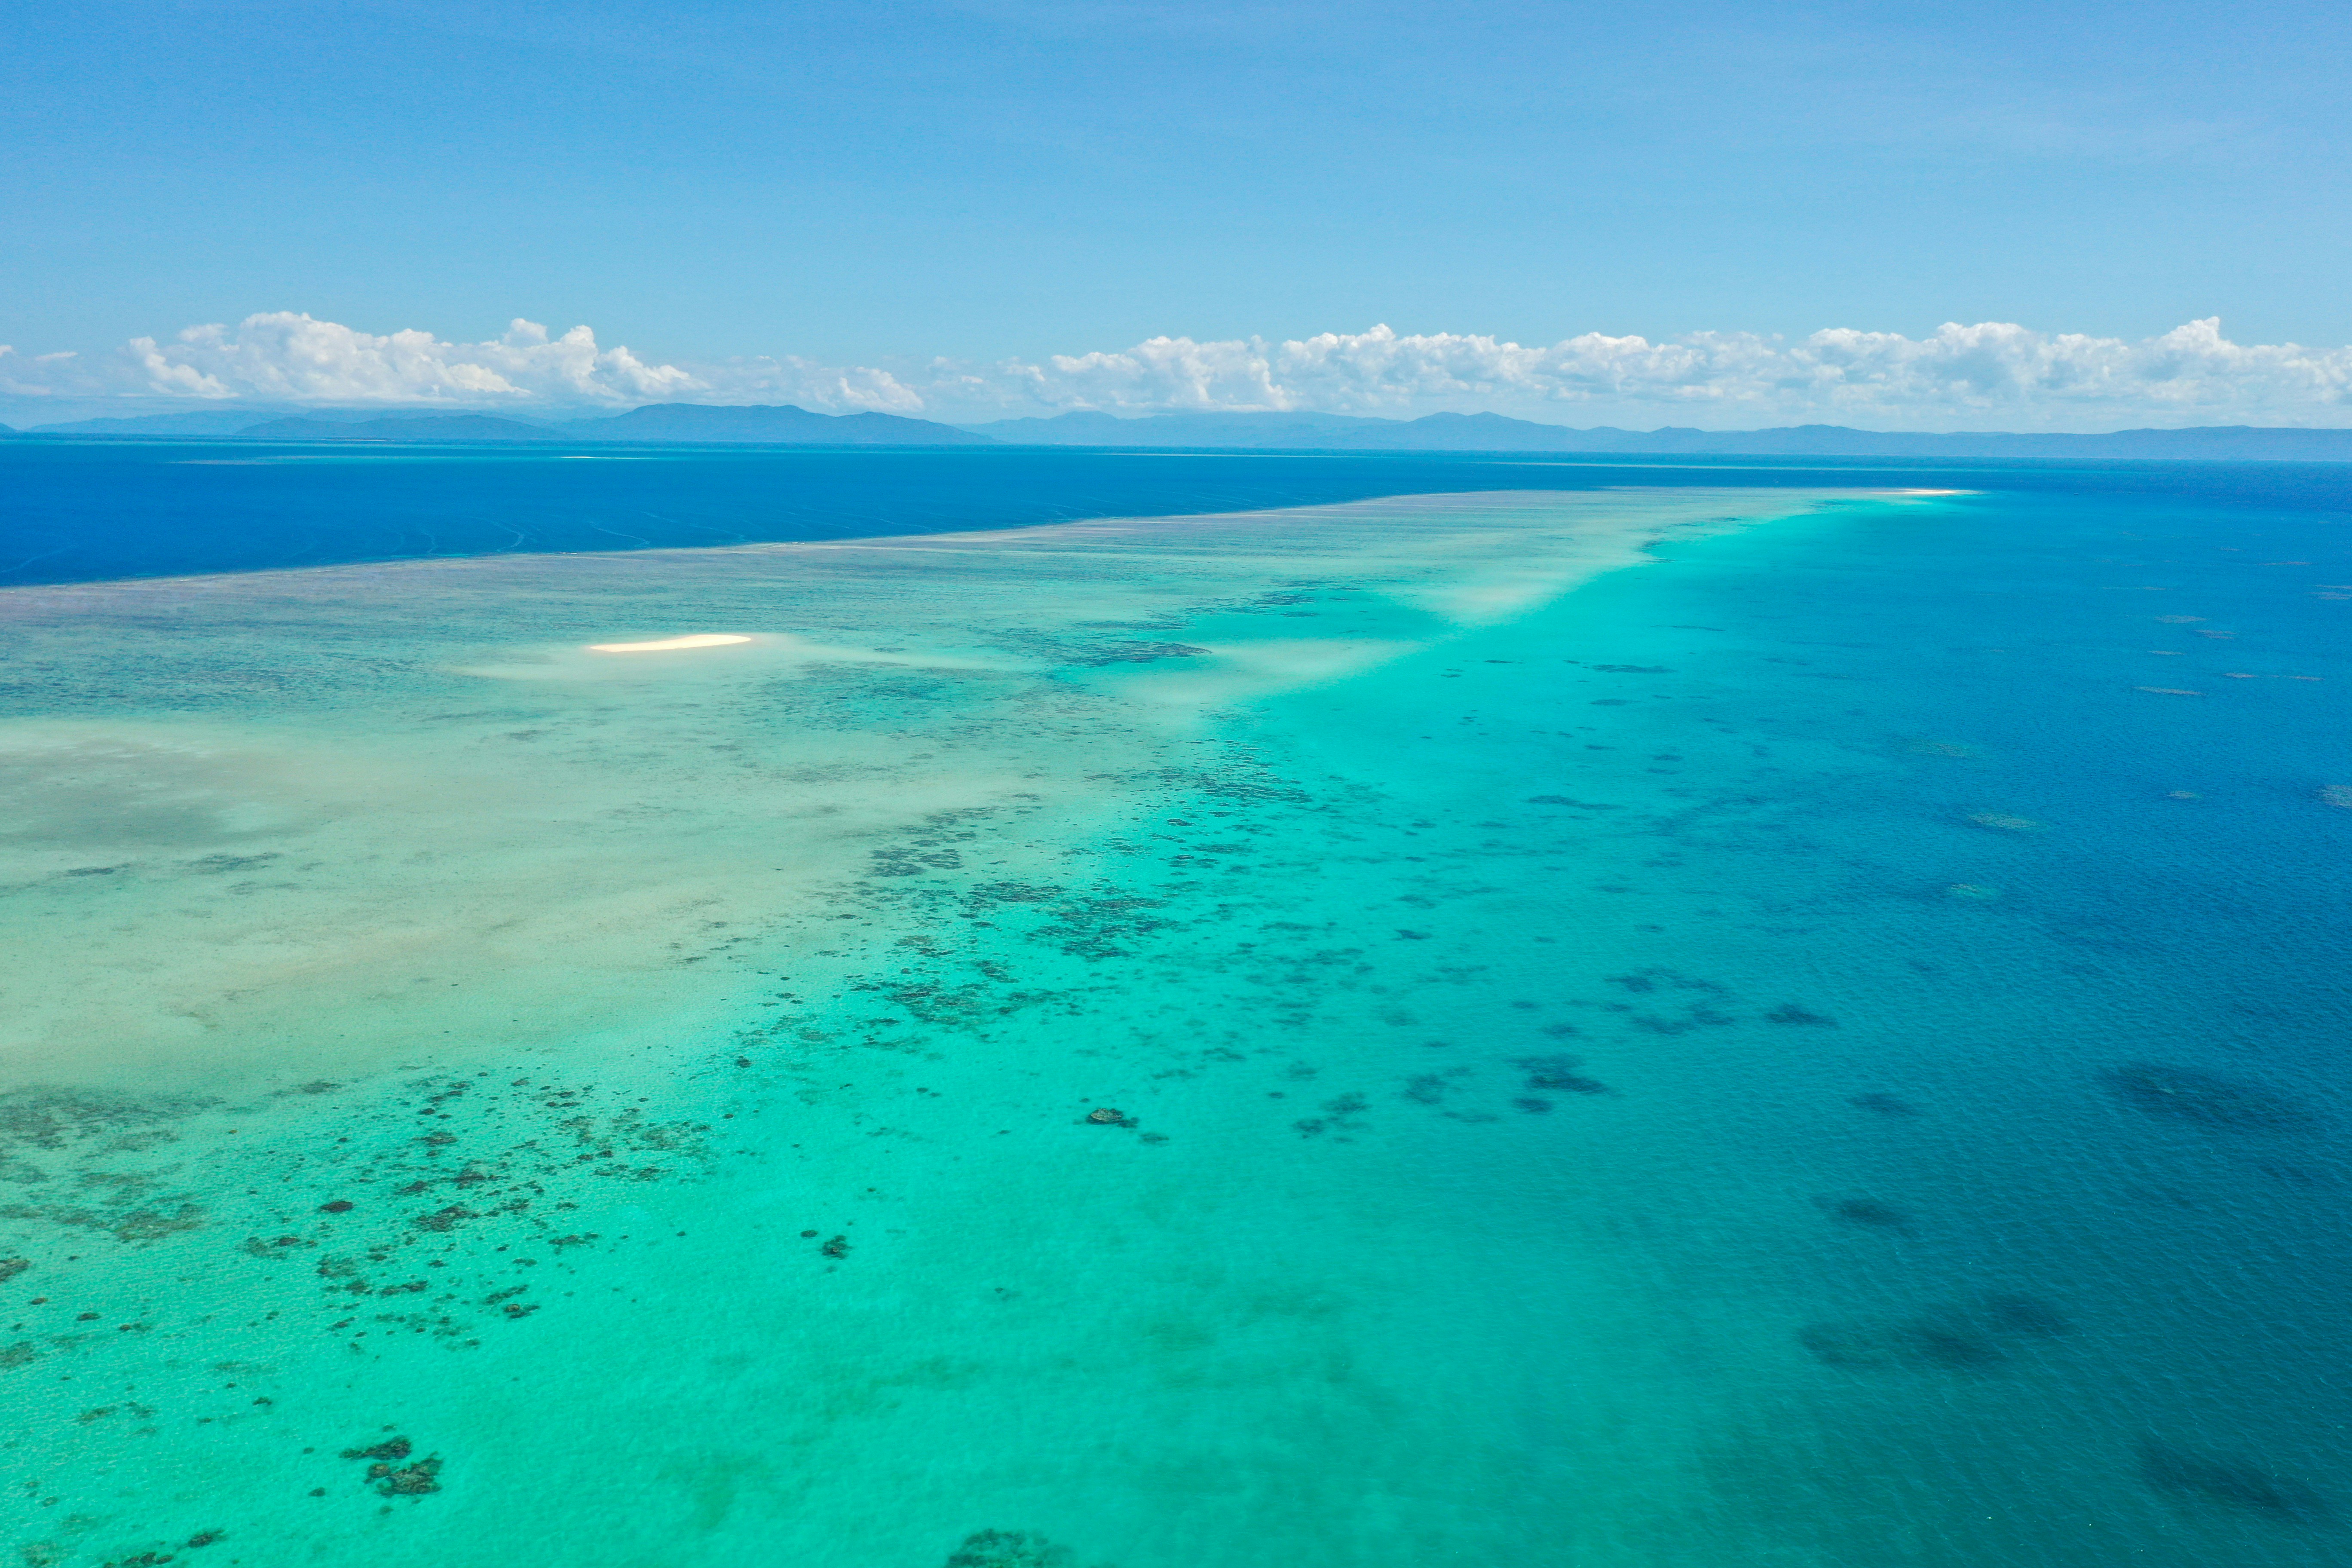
[{"x": 1741, "y": 1059}]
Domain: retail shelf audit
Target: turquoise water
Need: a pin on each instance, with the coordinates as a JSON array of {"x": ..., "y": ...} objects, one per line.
[{"x": 1657, "y": 1026}]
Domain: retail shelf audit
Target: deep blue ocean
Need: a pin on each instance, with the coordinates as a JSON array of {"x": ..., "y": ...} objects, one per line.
[
  {"x": 91, "y": 511},
  {"x": 1823, "y": 1045}
]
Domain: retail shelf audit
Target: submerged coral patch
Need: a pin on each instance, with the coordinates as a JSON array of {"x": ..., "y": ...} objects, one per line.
[
  {"x": 1010, "y": 1549},
  {"x": 1974, "y": 1336},
  {"x": 2232, "y": 1483},
  {"x": 2202, "y": 1100}
]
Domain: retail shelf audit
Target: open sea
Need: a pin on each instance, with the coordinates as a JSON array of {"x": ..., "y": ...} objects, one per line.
[{"x": 1171, "y": 1011}]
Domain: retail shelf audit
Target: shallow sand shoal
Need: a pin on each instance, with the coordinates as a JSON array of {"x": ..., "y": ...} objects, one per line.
[{"x": 320, "y": 820}]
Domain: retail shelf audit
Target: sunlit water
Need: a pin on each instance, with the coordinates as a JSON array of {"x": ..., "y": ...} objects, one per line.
[{"x": 1662, "y": 1027}]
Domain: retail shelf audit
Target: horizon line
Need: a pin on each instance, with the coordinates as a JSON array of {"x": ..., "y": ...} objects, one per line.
[{"x": 262, "y": 413}]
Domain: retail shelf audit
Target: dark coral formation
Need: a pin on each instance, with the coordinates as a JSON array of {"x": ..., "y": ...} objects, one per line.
[
  {"x": 1342, "y": 1116},
  {"x": 431, "y": 1271},
  {"x": 2201, "y": 1099},
  {"x": 1134, "y": 653},
  {"x": 56, "y": 1118},
  {"x": 1558, "y": 1075},
  {"x": 390, "y": 1448},
  {"x": 407, "y": 1480},
  {"x": 135, "y": 1208},
  {"x": 389, "y": 1478},
  {"x": 1975, "y": 1336},
  {"x": 2234, "y": 1484},
  {"x": 1867, "y": 1212},
  {"x": 1949, "y": 1343},
  {"x": 1009, "y": 1549}
]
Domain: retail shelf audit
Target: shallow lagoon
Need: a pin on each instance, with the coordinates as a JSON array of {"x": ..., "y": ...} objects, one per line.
[{"x": 1569, "y": 1110}]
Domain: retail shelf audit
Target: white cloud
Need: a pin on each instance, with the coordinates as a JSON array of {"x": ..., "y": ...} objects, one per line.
[
  {"x": 832, "y": 389},
  {"x": 33, "y": 377},
  {"x": 1989, "y": 375},
  {"x": 283, "y": 356},
  {"x": 1964, "y": 374}
]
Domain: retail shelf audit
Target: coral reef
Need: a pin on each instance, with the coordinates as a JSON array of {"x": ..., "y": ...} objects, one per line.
[
  {"x": 1009, "y": 1549},
  {"x": 1557, "y": 1074}
]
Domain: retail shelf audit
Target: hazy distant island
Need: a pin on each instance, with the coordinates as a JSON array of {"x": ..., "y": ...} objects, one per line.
[
  {"x": 777, "y": 425},
  {"x": 785, "y": 425},
  {"x": 1499, "y": 433}
]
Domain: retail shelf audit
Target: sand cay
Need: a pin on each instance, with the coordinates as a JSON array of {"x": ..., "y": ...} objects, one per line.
[{"x": 670, "y": 644}]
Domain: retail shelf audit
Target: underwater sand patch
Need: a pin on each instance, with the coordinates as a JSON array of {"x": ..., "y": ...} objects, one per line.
[{"x": 118, "y": 791}]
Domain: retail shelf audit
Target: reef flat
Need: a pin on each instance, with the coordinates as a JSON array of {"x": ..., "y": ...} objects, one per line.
[
  {"x": 390, "y": 953},
  {"x": 1436, "y": 1030}
]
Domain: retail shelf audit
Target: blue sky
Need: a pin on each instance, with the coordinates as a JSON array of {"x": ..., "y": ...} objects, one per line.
[{"x": 878, "y": 186}]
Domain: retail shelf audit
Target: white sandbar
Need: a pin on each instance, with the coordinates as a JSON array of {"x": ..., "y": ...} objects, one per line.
[{"x": 668, "y": 644}]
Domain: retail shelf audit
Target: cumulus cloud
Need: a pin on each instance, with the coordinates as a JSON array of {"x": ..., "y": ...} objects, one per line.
[
  {"x": 791, "y": 379},
  {"x": 283, "y": 356},
  {"x": 1989, "y": 375},
  {"x": 1960, "y": 373},
  {"x": 286, "y": 357}
]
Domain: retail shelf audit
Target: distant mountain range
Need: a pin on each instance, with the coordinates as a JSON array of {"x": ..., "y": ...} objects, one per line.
[
  {"x": 193, "y": 422},
  {"x": 664, "y": 422},
  {"x": 1497, "y": 432},
  {"x": 787, "y": 426},
  {"x": 783, "y": 423},
  {"x": 424, "y": 427}
]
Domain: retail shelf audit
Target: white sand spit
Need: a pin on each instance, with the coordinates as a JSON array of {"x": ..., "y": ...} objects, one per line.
[{"x": 670, "y": 644}]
